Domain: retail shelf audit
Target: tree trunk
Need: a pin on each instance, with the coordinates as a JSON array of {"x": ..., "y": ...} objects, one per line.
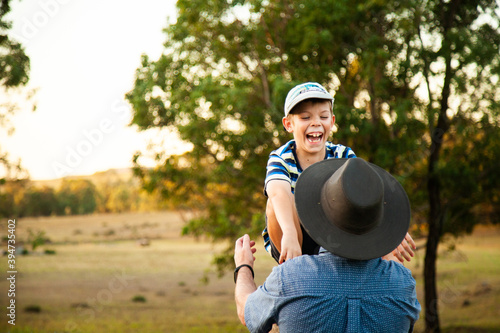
[
  {"x": 435, "y": 223},
  {"x": 435, "y": 215},
  {"x": 435, "y": 219},
  {"x": 431, "y": 297}
]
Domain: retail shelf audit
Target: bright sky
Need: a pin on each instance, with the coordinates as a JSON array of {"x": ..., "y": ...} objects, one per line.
[{"x": 84, "y": 54}]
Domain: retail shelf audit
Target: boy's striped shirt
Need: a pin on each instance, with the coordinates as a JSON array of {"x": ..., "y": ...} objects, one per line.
[{"x": 283, "y": 163}]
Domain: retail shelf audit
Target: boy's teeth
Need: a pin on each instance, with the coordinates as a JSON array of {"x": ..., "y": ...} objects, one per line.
[{"x": 314, "y": 137}]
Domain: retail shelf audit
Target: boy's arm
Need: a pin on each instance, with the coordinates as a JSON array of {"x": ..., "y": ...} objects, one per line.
[{"x": 283, "y": 202}]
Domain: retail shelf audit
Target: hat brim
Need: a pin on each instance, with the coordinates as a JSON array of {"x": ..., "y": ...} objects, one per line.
[{"x": 377, "y": 242}]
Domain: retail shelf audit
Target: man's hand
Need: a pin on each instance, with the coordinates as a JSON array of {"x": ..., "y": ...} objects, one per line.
[
  {"x": 290, "y": 248},
  {"x": 243, "y": 255},
  {"x": 244, "y": 251}
]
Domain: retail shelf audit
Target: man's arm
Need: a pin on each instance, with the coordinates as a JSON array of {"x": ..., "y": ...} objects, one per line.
[{"x": 245, "y": 284}]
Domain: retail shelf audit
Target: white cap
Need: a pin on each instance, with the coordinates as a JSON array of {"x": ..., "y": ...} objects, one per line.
[{"x": 305, "y": 91}]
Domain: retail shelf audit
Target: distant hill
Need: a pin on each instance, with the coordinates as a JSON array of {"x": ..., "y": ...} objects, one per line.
[{"x": 100, "y": 177}]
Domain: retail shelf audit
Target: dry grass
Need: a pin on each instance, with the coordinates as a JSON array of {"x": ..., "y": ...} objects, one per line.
[
  {"x": 468, "y": 282},
  {"x": 89, "y": 285},
  {"x": 104, "y": 227}
]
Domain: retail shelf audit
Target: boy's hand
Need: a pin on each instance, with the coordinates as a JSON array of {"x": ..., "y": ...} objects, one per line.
[
  {"x": 405, "y": 250},
  {"x": 290, "y": 248}
]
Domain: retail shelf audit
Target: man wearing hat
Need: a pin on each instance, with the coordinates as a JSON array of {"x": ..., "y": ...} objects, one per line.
[{"x": 357, "y": 212}]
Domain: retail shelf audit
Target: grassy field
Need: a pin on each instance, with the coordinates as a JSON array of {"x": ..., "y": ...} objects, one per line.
[{"x": 101, "y": 279}]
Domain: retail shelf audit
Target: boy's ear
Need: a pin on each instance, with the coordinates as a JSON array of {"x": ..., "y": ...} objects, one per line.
[
  {"x": 333, "y": 125},
  {"x": 287, "y": 124}
]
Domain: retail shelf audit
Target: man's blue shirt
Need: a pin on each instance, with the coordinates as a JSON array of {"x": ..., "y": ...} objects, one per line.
[{"x": 327, "y": 293}]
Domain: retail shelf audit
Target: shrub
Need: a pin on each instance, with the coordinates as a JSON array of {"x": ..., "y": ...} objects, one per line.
[
  {"x": 33, "y": 308},
  {"x": 139, "y": 299}
]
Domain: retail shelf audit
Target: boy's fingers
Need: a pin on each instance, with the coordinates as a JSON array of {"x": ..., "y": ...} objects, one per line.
[
  {"x": 408, "y": 249},
  {"x": 398, "y": 255},
  {"x": 282, "y": 259},
  {"x": 410, "y": 240},
  {"x": 410, "y": 252},
  {"x": 404, "y": 253}
]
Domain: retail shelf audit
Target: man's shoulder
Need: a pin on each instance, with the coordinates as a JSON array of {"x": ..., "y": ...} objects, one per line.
[
  {"x": 395, "y": 277},
  {"x": 295, "y": 275},
  {"x": 304, "y": 267},
  {"x": 397, "y": 268},
  {"x": 333, "y": 269}
]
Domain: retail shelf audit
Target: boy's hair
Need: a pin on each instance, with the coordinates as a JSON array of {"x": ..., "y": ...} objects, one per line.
[{"x": 314, "y": 101}]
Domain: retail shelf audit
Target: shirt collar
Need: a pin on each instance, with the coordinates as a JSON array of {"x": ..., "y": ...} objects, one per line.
[{"x": 322, "y": 250}]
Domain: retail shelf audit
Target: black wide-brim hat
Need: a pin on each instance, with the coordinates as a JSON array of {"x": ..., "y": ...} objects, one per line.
[{"x": 352, "y": 208}]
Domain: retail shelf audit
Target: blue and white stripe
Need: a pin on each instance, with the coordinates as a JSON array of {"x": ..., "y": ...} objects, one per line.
[{"x": 283, "y": 163}]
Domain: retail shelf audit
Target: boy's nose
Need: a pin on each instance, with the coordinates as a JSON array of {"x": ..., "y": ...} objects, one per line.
[{"x": 316, "y": 121}]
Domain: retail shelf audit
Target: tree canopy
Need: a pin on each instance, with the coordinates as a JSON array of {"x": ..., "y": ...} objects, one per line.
[
  {"x": 14, "y": 72},
  {"x": 416, "y": 87}
]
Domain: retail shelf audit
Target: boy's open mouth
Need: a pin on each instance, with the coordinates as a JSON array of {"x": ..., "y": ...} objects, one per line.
[{"x": 314, "y": 137}]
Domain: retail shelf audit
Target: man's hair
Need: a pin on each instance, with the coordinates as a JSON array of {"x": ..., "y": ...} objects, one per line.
[{"x": 297, "y": 107}]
